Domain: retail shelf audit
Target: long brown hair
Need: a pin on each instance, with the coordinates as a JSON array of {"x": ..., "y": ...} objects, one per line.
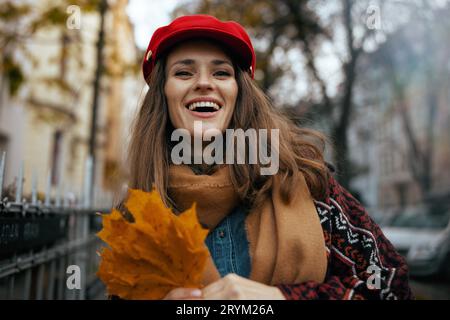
[{"x": 299, "y": 148}]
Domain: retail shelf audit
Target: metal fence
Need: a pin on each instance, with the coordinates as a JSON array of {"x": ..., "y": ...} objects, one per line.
[{"x": 48, "y": 249}]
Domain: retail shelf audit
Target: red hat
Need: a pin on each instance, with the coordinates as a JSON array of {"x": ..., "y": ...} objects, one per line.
[{"x": 230, "y": 33}]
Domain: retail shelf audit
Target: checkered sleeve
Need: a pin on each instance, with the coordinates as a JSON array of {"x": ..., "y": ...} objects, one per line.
[{"x": 362, "y": 263}]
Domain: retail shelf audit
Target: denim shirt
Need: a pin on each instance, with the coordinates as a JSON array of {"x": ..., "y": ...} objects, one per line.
[{"x": 228, "y": 245}]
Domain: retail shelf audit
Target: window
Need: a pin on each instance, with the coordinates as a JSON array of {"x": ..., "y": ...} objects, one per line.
[{"x": 56, "y": 156}]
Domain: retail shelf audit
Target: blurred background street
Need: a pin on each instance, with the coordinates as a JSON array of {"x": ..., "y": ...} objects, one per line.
[
  {"x": 431, "y": 289},
  {"x": 373, "y": 75}
]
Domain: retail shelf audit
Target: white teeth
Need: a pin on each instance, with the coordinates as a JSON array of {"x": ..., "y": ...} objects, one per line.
[{"x": 200, "y": 104}]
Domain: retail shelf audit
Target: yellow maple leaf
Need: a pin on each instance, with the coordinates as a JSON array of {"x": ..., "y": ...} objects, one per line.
[{"x": 153, "y": 254}]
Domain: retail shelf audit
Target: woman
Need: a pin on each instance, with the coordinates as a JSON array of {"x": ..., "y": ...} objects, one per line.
[{"x": 295, "y": 234}]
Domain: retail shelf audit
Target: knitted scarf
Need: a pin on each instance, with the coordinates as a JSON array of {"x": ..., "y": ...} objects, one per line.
[{"x": 286, "y": 242}]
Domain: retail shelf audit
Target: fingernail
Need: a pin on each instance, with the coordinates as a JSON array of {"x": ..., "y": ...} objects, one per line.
[{"x": 196, "y": 293}]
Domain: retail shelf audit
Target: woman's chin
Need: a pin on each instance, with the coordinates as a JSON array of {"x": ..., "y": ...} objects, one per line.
[{"x": 205, "y": 127}]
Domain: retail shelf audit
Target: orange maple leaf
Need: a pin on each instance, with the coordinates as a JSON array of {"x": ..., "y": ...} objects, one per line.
[{"x": 153, "y": 254}]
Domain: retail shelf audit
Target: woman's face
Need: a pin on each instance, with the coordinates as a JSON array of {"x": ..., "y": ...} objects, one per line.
[{"x": 200, "y": 86}]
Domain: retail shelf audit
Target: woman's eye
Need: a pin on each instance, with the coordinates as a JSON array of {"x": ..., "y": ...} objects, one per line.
[
  {"x": 223, "y": 73},
  {"x": 182, "y": 73}
]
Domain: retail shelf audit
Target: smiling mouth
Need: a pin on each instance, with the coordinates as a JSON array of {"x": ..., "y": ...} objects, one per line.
[{"x": 204, "y": 106}]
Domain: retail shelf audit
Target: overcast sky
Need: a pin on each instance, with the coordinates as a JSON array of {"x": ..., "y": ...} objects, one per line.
[{"x": 147, "y": 16}]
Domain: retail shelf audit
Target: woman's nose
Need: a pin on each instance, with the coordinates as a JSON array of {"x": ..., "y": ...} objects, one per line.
[{"x": 204, "y": 82}]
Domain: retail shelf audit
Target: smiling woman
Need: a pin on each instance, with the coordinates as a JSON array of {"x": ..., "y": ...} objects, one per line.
[
  {"x": 296, "y": 234},
  {"x": 200, "y": 85}
]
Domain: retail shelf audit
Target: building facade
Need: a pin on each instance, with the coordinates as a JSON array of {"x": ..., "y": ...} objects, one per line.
[
  {"x": 400, "y": 134},
  {"x": 46, "y": 125}
]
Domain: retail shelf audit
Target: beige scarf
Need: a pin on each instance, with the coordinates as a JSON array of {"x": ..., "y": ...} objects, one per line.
[{"x": 286, "y": 240}]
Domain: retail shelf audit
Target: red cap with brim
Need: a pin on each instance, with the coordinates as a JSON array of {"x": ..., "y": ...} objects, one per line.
[{"x": 230, "y": 33}]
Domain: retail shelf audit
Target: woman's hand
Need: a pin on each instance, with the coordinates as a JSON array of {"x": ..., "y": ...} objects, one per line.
[
  {"x": 184, "y": 294},
  {"x": 234, "y": 287},
  {"x": 230, "y": 287}
]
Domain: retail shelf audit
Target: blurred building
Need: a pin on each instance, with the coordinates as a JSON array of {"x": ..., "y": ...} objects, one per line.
[
  {"x": 403, "y": 120},
  {"x": 47, "y": 123}
]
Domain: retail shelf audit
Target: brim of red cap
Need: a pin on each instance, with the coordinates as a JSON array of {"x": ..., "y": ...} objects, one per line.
[{"x": 243, "y": 54}]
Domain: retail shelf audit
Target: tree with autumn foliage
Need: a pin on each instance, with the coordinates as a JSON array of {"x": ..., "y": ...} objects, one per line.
[
  {"x": 305, "y": 29},
  {"x": 20, "y": 22}
]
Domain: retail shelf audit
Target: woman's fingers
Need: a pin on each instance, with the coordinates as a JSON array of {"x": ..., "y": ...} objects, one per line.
[
  {"x": 183, "y": 293},
  {"x": 224, "y": 287},
  {"x": 235, "y": 287},
  {"x": 213, "y": 288}
]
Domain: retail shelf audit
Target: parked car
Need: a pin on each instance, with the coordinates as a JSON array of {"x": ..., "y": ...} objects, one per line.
[{"x": 424, "y": 240}]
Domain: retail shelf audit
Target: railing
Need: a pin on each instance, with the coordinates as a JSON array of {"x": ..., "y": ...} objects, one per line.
[{"x": 49, "y": 250}]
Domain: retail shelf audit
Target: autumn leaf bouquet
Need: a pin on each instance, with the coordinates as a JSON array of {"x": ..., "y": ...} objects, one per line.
[{"x": 151, "y": 250}]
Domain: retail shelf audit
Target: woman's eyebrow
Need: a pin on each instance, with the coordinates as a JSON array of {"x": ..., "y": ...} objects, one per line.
[
  {"x": 189, "y": 62},
  {"x": 184, "y": 62},
  {"x": 219, "y": 62}
]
